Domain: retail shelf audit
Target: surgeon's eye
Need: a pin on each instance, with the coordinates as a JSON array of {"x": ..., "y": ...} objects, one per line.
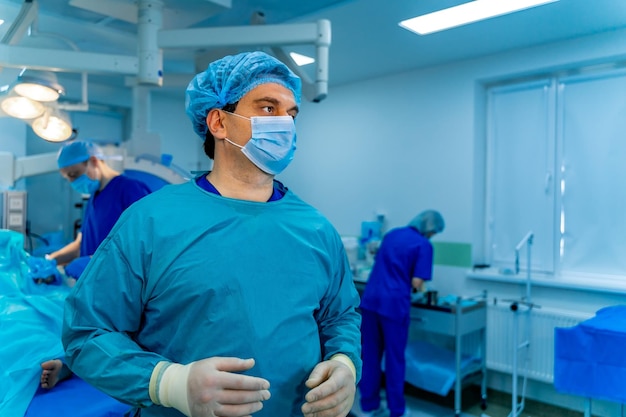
[
  {"x": 73, "y": 175},
  {"x": 268, "y": 109}
]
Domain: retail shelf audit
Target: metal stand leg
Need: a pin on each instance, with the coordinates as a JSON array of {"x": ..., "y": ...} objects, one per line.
[
  {"x": 588, "y": 407},
  {"x": 514, "y": 404},
  {"x": 518, "y": 406},
  {"x": 457, "y": 362}
]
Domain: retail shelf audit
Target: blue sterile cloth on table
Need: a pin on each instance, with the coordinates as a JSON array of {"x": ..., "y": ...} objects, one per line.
[
  {"x": 453, "y": 300},
  {"x": 589, "y": 358},
  {"x": 433, "y": 368},
  {"x": 74, "y": 397},
  {"x": 31, "y": 317},
  {"x": 30, "y": 325}
]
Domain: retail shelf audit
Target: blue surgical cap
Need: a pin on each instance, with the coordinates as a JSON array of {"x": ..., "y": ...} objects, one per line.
[
  {"x": 228, "y": 79},
  {"x": 77, "y": 151},
  {"x": 429, "y": 221}
]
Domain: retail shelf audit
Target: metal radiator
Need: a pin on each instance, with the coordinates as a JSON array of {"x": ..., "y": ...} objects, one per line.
[{"x": 501, "y": 323}]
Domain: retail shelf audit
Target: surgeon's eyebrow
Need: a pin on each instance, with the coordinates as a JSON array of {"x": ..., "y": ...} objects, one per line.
[{"x": 276, "y": 102}]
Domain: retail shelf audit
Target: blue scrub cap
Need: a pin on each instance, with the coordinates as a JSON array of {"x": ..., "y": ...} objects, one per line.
[
  {"x": 429, "y": 221},
  {"x": 228, "y": 79},
  {"x": 77, "y": 151}
]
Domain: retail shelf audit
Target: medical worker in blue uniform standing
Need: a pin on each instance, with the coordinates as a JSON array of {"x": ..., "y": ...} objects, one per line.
[
  {"x": 227, "y": 295},
  {"x": 110, "y": 193},
  {"x": 403, "y": 263}
]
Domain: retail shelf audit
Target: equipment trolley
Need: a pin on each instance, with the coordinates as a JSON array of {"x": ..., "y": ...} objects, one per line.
[{"x": 454, "y": 320}]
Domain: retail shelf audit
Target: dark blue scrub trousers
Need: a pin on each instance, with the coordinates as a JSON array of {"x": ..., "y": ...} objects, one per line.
[{"x": 380, "y": 334}]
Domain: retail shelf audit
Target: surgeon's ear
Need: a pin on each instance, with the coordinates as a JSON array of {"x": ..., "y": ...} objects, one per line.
[{"x": 214, "y": 121}]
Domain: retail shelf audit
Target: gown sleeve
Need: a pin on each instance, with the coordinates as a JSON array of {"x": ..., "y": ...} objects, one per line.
[
  {"x": 96, "y": 337},
  {"x": 424, "y": 262},
  {"x": 338, "y": 319}
]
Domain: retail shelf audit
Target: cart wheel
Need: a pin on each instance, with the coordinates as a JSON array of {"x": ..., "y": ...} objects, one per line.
[{"x": 483, "y": 405}]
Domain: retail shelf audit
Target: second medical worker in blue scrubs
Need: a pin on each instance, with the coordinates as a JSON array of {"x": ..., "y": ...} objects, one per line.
[
  {"x": 110, "y": 193},
  {"x": 227, "y": 295},
  {"x": 403, "y": 262}
]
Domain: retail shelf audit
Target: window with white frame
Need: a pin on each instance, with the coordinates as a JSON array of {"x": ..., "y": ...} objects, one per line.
[{"x": 556, "y": 166}]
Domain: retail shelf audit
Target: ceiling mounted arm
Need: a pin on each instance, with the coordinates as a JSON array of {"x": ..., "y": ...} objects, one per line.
[
  {"x": 71, "y": 61},
  {"x": 25, "y": 17},
  {"x": 150, "y": 18},
  {"x": 317, "y": 90},
  {"x": 273, "y": 36},
  {"x": 46, "y": 59},
  {"x": 147, "y": 66},
  {"x": 13, "y": 168}
]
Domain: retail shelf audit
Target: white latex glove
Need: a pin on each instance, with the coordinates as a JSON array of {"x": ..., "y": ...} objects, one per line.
[
  {"x": 332, "y": 392},
  {"x": 210, "y": 388}
]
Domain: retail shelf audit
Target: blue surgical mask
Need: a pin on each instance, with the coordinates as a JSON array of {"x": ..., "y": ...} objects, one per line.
[
  {"x": 85, "y": 185},
  {"x": 273, "y": 142}
]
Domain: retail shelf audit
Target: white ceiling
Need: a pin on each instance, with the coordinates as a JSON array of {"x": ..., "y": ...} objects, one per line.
[{"x": 366, "y": 39}]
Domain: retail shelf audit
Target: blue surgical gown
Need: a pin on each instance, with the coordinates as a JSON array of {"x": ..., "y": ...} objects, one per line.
[
  {"x": 404, "y": 254},
  {"x": 187, "y": 275},
  {"x": 105, "y": 207}
]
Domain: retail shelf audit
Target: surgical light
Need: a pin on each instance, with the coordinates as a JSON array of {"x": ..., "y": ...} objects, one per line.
[
  {"x": 465, "y": 13},
  {"x": 21, "y": 107},
  {"x": 54, "y": 125},
  {"x": 40, "y": 86},
  {"x": 33, "y": 98}
]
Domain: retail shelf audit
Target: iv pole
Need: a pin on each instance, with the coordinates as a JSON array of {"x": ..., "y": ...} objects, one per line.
[{"x": 527, "y": 304}]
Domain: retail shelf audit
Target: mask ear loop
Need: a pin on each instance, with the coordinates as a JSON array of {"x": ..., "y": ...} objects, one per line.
[
  {"x": 238, "y": 115},
  {"x": 235, "y": 114},
  {"x": 233, "y": 143}
]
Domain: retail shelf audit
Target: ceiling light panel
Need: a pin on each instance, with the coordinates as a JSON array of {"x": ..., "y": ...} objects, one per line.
[{"x": 466, "y": 13}]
